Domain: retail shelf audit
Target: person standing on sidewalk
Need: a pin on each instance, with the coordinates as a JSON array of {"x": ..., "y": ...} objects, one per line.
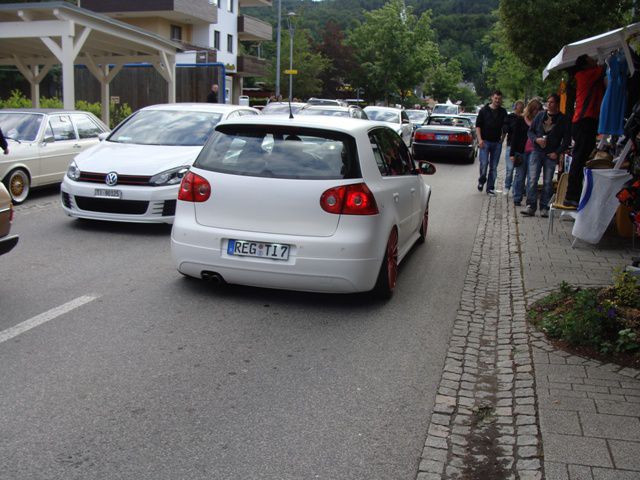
[
  {"x": 550, "y": 134},
  {"x": 512, "y": 118},
  {"x": 516, "y": 157},
  {"x": 522, "y": 172},
  {"x": 489, "y": 128},
  {"x": 589, "y": 93}
]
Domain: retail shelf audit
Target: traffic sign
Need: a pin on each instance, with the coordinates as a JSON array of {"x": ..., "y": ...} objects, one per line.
[{"x": 291, "y": 72}]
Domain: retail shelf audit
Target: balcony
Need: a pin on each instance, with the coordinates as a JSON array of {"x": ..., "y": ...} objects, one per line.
[
  {"x": 255, "y": 3},
  {"x": 249, "y": 66},
  {"x": 252, "y": 29},
  {"x": 179, "y": 11}
]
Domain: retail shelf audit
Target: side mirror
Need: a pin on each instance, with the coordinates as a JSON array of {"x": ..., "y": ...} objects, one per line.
[
  {"x": 48, "y": 139},
  {"x": 426, "y": 168},
  {"x": 103, "y": 135},
  {"x": 404, "y": 120}
]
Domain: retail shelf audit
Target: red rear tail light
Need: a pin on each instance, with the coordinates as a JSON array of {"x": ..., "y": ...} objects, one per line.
[
  {"x": 461, "y": 138},
  {"x": 194, "y": 188},
  {"x": 421, "y": 136},
  {"x": 349, "y": 200}
]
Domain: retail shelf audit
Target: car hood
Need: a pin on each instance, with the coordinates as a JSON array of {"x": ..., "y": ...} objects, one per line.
[{"x": 128, "y": 159}]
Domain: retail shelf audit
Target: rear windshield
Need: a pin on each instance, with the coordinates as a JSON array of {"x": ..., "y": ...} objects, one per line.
[{"x": 280, "y": 152}]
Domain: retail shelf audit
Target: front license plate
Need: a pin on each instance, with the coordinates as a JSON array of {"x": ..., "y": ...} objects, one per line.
[
  {"x": 107, "y": 193},
  {"x": 245, "y": 248},
  {"x": 444, "y": 138}
]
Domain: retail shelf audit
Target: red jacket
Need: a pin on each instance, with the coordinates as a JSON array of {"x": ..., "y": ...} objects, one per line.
[{"x": 589, "y": 88}]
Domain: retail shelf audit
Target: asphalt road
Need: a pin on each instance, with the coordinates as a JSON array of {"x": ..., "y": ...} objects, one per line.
[{"x": 149, "y": 375}]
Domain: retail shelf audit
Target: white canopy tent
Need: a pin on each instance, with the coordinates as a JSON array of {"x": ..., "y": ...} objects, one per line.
[
  {"x": 598, "y": 47},
  {"x": 36, "y": 36}
]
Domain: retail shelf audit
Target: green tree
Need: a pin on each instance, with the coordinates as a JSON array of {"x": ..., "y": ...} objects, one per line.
[
  {"x": 536, "y": 31},
  {"x": 507, "y": 72},
  {"x": 442, "y": 82},
  {"x": 395, "y": 50}
]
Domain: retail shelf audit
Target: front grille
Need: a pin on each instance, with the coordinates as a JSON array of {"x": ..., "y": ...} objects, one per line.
[
  {"x": 106, "y": 205},
  {"x": 66, "y": 199},
  {"x": 93, "y": 177},
  {"x": 169, "y": 208}
]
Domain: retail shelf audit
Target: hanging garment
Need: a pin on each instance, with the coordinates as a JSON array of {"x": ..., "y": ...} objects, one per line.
[
  {"x": 562, "y": 91},
  {"x": 615, "y": 98}
]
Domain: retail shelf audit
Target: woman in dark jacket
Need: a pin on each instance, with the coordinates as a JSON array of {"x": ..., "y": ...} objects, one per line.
[{"x": 517, "y": 157}]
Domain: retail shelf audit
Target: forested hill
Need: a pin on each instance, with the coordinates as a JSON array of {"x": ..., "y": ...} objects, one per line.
[{"x": 460, "y": 25}]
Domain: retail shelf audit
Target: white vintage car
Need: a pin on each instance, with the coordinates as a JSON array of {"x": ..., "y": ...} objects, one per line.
[{"x": 42, "y": 142}]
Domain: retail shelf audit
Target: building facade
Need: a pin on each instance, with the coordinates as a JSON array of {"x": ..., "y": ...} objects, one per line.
[{"x": 210, "y": 31}]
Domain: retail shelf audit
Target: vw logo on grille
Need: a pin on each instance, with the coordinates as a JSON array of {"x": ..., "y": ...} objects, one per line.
[{"x": 111, "y": 179}]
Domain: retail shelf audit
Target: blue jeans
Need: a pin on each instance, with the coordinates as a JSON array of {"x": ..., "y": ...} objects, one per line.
[
  {"x": 489, "y": 158},
  {"x": 538, "y": 161},
  {"x": 520, "y": 173},
  {"x": 508, "y": 164}
]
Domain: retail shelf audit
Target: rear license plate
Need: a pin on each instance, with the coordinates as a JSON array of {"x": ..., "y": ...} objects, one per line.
[
  {"x": 245, "y": 248},
  {"x": 444, "y": 138},
  {"x": 107, "y": 193}
]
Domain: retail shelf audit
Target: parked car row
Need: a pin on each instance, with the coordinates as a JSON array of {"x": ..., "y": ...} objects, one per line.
[{"x": 323, "y": 202}]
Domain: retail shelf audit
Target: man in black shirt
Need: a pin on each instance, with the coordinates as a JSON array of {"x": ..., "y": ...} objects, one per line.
[
  {"x": 489, "y": 128},
  {"x": 213, "y": 94}
]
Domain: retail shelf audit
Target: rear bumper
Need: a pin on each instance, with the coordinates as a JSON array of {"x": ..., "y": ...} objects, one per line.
[
  {"x": 343, "y": 263},
  {"x": 428, "y": 151},
  {"x": 7, "y": 244}
]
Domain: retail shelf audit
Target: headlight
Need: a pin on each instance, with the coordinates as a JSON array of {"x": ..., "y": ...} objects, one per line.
[
  {"x": 170, "y": 177},
  {"x": 73, "y": 172}
]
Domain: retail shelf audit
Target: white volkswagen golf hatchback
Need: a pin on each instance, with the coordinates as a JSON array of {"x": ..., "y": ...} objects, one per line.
[
  {"x": 312, "y": 203},
  {"x": 134, "y": 175}
]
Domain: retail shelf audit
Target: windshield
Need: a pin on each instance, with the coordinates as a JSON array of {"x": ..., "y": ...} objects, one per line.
[
  {"x": 448, "y": 109},
  {"x": 450, "y": 121},
  {"x": 20, "y": 126},
  {"x": 280, "y": 108},
  {"x": 324, "y": 111},
  {"x": 280, "y": 152},
  {"x": 383, "y": 115},
  {"x": 417, "y": 116},
  {"x": 167, "y": 127}
]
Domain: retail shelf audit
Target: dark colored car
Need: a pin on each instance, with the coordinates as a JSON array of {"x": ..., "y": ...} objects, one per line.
[{"x": 445, "y": 137}]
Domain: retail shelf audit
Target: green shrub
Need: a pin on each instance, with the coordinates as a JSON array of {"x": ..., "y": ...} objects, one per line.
[
  {"x": 625, "y": 287},
  {"x": 16, "y": 100}
]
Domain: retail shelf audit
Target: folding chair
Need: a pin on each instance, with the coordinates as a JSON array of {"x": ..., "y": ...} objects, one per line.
[{"x": 557, "y": 201}]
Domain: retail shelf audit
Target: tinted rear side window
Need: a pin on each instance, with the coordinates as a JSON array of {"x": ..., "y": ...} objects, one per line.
[{"x": 280, "y": 152}]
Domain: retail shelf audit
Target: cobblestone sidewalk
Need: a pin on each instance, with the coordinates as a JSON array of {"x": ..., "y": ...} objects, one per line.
[{"x": 510, "y": 405}]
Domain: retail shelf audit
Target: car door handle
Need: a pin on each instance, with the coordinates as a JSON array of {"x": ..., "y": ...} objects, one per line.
[
  {"x": 396, "y": 197},
  {"x": 413, "y": 191},
  {"x": 77, "y": 146}
]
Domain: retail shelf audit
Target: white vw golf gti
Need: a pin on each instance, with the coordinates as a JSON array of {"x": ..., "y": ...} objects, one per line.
[
  {"x": 134, "y": 175},
  {"x": 313, "y": 203}
]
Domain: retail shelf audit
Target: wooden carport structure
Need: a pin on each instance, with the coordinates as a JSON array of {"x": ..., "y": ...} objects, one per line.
[{"x": 36, "y": 36}]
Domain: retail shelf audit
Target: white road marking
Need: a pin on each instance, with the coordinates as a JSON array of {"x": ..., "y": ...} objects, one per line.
[{"x": 27, "y": 325}]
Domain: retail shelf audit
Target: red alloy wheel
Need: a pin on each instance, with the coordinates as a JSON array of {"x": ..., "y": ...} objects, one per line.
[{"x": 392, "y": 259}]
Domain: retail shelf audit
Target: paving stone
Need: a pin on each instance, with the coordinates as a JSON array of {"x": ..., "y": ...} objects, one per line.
[
  {"x": 555, "y": 471},
  {"x": 576, "y": 450},
  {"x": 611, "y": 474},
  {"x": 561, "y": 402},
  {"x": 557, "y": 421},
  {"x": 431, "y": 466},
  {"x": 618, "y": 408},
  {"x": 580, "y": 472},
  {"x": 610, "y": 426},
  {"x": 626, "y": 455}
]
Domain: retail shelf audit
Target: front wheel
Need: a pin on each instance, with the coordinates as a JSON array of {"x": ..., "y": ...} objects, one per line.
[
  {"x": 388, "y": 274},
  {"x": 18, "y": 184}
]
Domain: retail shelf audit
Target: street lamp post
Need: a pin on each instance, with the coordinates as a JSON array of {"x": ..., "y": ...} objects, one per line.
[
  {"x": 278, "y": 52},
  {"x": 290, "y": 16}
]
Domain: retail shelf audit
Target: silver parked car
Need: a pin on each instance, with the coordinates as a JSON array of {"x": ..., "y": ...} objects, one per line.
[{"x": 42, "y": 142}]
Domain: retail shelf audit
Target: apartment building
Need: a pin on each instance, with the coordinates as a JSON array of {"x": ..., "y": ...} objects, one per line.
[{"x": 211, "y": 31}]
